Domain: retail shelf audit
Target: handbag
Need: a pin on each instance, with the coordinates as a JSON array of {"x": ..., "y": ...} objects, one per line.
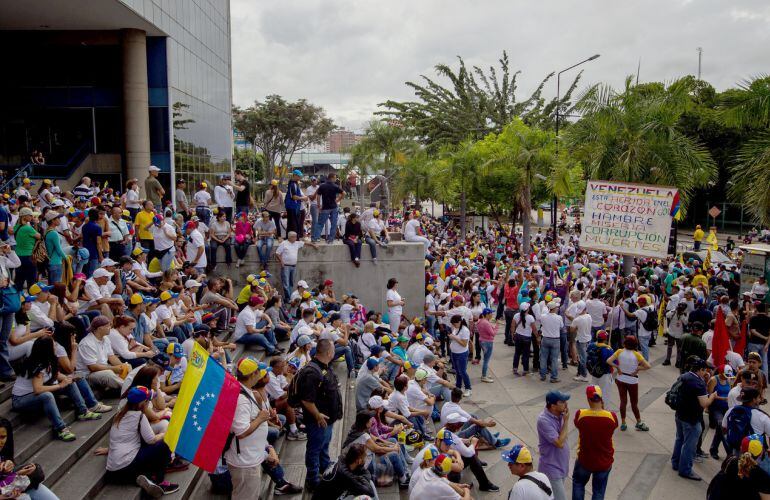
[
  {"x": 39, "y": 253},
  {"x": 37, "y": 476},
  {"x": 10, "y": 300}
]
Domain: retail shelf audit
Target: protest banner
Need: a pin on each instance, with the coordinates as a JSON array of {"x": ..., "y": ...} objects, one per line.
[{"x": 625, "y": 218}]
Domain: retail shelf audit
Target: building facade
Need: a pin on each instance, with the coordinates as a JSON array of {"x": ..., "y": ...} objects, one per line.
[
  {"x": 109, "y": 87},
  {"x": 341, "y": 140}
]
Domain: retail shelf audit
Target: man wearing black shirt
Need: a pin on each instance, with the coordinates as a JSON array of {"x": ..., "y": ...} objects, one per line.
[
  {"x": 330, "y": 195},
  {"x": 759, "y": 330},
  {"x": 242, "y": 193},
  {"x": 693, "y": 399},
  {"x": 322, "y": 402}
]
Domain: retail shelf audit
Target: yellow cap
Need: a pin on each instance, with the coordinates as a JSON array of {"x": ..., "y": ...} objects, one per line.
[
  {"x": 204, "y": 185},
  {"x": 165, "y": 295},
  {"x": 26, "y": 180},
  {"x": 137, "y": 252},
  {"x": 126, "y": 213},
  {"x": 385, "y": 339},
  {"x": 305, "y": 295},
  {"x": 274, "y": 182},
  {"x": 247, "y": 366},
  {"x": 250, "y": 278},
  {"x": 136, "y": 299},
  {"x": 376, "y": 212}
]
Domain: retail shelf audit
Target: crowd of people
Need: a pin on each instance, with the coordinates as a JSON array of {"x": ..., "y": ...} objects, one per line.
[{"x": 104, "y": 295}]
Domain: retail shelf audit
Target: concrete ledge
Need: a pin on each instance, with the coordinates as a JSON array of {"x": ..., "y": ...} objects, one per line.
[{"x": 401, "y": 260}]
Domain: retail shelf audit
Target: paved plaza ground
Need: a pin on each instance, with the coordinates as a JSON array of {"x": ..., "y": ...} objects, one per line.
[{"x": 642, "y": 467}]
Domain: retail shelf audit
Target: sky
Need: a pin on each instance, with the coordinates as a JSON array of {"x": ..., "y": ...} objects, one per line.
[{"x": 350, "y": 55}]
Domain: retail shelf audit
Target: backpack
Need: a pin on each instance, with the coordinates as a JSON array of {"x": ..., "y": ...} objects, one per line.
[
  {"x": 293, "y": 397},
  {"x": 594, "y": 363},
  {"x": 673, "y": 396},
  {"x": 738, "y": 425},
  {"x": 650, "y": 323},
  {"x": 39, "y": 252}
]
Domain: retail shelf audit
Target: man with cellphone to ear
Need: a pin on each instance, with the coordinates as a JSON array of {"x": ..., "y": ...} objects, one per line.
[{"x": 552, "y": 430}]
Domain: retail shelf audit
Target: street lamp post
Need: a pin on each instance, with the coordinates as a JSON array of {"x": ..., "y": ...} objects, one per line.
[{"x": 555, "y": 201}]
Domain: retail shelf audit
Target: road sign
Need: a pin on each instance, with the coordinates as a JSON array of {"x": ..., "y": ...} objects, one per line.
[{"x": 714, "y": 212}]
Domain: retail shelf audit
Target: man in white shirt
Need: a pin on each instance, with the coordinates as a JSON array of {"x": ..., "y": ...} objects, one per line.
[
  {"x": 96, "y": 360},
  {"x": 119, "y": 234},
  {"x": 99, "y": 288},
  {"x": 643, "y": 335},
  {"x": 471, "y": 426},
  {"x": 246, "y": 331},
  {"x": 224, "y": 196},
  {"x": 551, "y": 324},
  {"x": 532, "y": 485},
  {"x": 581, "y": 326},
  {"x": 196, "y": 246},
  {"x": 164, "y": 235},
  {"x": 598, "y": 311},
  {"x": 42, "y": 312},
  {"x": 420, "y": 400},
  {"x": 287, "y": 254}
]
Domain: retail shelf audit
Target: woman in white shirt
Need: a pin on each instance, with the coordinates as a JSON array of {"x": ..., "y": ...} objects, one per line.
[
  {"x": 133, "y": 205},
  {"x": 395, "y": 305},
  {"x": 384, "y": 450},
  {"x": 124, "y": 345},
  {"x": 629, "y": 362},
  {"x": 459, "y": 339},
  {"x": 412, "y": 230},
  {"x": 525, "y": 328},
  {"x": 136, "y": 454},
  {"x": 202, "y": 200}
]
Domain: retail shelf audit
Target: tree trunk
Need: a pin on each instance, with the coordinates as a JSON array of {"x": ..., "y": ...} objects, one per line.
[
  {"x": 462, "y": 214},
  {"x": 526, "y": 219}
]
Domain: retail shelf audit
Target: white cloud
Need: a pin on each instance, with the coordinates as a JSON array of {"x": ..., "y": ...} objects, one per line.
[{"x": 350, "y": 55}]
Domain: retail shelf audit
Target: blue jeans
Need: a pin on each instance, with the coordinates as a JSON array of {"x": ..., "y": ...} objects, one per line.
[
  {"x": 41, "y": 493},
  {"x": 54, "y": 273},
  {"x": 469, "y": 430},
  {"x": 331, "y": 215},
  {"x": 460, "y": 364},
  {"x": 287, "y": 279},
  {"x": 264, "y": 247},
  {"x": 580, "y": 476},
  {"x": 486, "y": 347},
  {"x": 93, "y": 265},
  {"x": 317, "y": 450},
  {"x": 442, "y": 391},
  {"x": 344, "y": 350},
  {"x": 549, "y": 353},
  {"x": 167, "y": 259},
  {"x": 684, "y": 446},
  {"x": 313, "y": 217},
  {"x": 372, "y": 246},
  {"x": 265, "y": 340},
  {"x": 395, "y": 459},
  {"x": 47, "y": 402},
  {"x": 419, "y": 423},
  {"x": 6, "y": 322},
  {"x": 582, "y": 354},
  {"x": 644, "y": 347}
]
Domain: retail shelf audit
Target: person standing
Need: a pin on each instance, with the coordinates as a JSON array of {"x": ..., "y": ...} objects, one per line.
[
  {"x": 120, "y": 236},
  {"x": 596, "y": 452},
  {"x": 319, "y": 393},
  {"x": 202, "y": 200},
  {"x": 459, "y": 340},
  {"x": 532, "y": 485},
  {"x": 293, "y": 203},
  {"x": 242, "y": 190},
  {"x": 693, "y": 399},
  {"x": 552, "y": 429},
  {"x": 153, "y": 190},
  {"x": 224, "y": 196},
  {"x": 629, "y": 362},
  {"x": 26, "y": 236},
  {"x": 697, "y": 238},
  {"x": 395, "y": 305},
  {"x": 182, "y": 205},
  {"x": 759, "y": 334},
  {"x": 274, "y": 203},
  {"x": 551, "y": 324},
  {"x": 287, "y": 254},
  {"x": 330, "y": 195},
  {"x": 313, "y": 203},
  {"x": 601, "y": 373}
]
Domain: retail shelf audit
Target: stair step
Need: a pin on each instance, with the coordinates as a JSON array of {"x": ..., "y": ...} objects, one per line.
[
  {"x": 85, "y": 478},
  {"x": 5, "y": 391}
]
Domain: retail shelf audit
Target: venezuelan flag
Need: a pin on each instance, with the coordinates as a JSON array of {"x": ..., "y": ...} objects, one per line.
[
  {"x": 676, "y": 207},
  {"x": 203, "y": 412}
]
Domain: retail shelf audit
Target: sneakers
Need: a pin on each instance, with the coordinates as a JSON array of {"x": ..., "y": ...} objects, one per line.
[
  {"x": 65, "y": 435},
  {"x": 89, "y": 415},
  {"x": 101, "y": 408},
  {"x": 666, "y": 363},
  {"x": 177, "y": 465},
  {"x": 467, "y": 393},
  {"x": 296, "y": 436},
  {"x": 287, "y": 489},
  {"x": 555, "y": 381},
  {"x": 152, "y": 489},
  {"x": 404, "y": 485},
  {"x": 374, "y": 261},
  {"x": 168, "y": 488},
  {"x": 502, "y": 443},
  {"x": 580, "y": 379},
  {"x": 491, "y": 487},
  {"x": 641, "y": 426},
  {"x": 488, "y": 380}
]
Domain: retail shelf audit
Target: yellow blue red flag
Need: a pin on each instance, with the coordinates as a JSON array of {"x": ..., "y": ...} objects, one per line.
[{"x": 203, "y": 412}]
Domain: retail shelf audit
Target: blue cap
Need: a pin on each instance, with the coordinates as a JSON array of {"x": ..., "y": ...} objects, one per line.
[
  {"x": 372, "y": 362},
  {"x": 554, "y": 397},
  {"x": 376, "y": 350},
  {"x": 295, "y": 362},
  {"x": 138, "y": 394},
  {"x": 161, "y": 360},
  {"x": 297, "y": 172},
  {"x": 486, "y": 311}
]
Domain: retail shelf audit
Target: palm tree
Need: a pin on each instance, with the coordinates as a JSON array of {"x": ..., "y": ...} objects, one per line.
[
  {"x": 632, "y": 136},
  {"x": 749, "y": 107},
  {"x": 457, "y": 165},
  {"x": 416, "y": 178}
]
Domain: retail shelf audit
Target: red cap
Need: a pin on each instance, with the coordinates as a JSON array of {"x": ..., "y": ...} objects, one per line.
[
  {"x": 594, "y": 393},
  {"x": 328, "y": 283},
  {"x": 256, "y": 300},
  {"x": 602, "y": 334}
]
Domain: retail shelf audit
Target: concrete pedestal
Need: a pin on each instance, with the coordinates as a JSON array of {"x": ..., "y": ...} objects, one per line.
[{"x": 136, "y": 115}]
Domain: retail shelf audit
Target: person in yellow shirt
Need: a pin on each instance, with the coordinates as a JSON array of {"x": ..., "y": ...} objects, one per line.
[
  {"x": 697, "y": 237},
  {"x": 142, "y": 224},
  {"x": 700, "y": 279},
  {"x": 242, "y": 300},
  {"x": 711, "y": 239}
]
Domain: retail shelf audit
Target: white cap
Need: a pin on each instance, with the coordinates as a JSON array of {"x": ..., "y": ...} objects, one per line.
[
  {"x": 302, "y": 283},
  {"x": 101, "y": 273},
  {"x": 429, "y": 340},
  {"x": 376, "y": 402},
  {"x": 57, "y": 203},
  {"x": 580, "y": 306},
  {"x": 524, "y": 306},
  {"x": 455, "y": 418},
  {"x": 153, "y": 168},
  {"x": 108, "y": 262},
  {"x": 191, "y": 283},
  {"x": 553, "y": 305}
]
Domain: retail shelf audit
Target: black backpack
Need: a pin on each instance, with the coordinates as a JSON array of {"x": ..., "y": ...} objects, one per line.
[
  {"x": 650, "y": 323},
  {"x": 594, "y": 363},
  {"x": 293, "y": 397},
  {"x": 674, "y": 395}
]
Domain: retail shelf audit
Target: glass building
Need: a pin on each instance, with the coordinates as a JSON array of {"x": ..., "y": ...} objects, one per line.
[{"x": 108, "y": 87}]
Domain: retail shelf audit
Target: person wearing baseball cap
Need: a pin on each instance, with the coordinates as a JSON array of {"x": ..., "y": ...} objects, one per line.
[
  {"x": 596, "y": 451},
  {"x": 253, "y": 327},
  {"x": 551, "y": 324},
  {"x": 420, "y": 404},
  {"x": 531, "y": 485},
  {"x": 552, "y": 429},
  {"x": 95, "y": 359},
  {"x": 177, "y": 367},
  {"x": 430, "y": 480},
  {"x": 369, "y": 381},
  {"x": 601, "y": 373}
]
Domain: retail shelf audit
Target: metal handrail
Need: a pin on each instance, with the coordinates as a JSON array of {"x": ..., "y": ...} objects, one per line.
[{"x": 16, "y": 178}]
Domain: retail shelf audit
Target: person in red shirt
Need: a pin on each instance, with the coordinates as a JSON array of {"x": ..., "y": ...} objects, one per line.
[
  {"x": 511, "y": 296},
  {"x": 595, "y": 452}
]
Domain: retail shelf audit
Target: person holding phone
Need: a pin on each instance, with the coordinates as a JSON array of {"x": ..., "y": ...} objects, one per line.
[{"x": 552, "y": 433}]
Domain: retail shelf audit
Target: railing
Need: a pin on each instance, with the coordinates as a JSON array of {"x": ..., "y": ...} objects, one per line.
[
  {"x": 48, "y": 170},
  {"x": 17, "y": 178}
]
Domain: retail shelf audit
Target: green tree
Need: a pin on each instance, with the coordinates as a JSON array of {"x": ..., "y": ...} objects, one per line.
[
  {"x": 748, "y": 107},
  {"x": 250, "y": 162},
  {"x": 457, "y": 167},
  {"x": 279, "y": 128},
  {"x": 416, "y": 177},
  {"x": 634, "y": 136},
  {"x": 473, "y": 104},
  {"x": 529, "y": 153}
]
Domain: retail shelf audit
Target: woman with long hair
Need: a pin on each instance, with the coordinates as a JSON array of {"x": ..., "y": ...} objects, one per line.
[
  {"x": 376, "y": 447},
  {"x": 273, "y": 203},
  {"x": 35, "y": 490},
  {"x": 22, "y": 338},
  {"x": 721, "y": 384},
  {"x": 476, "y": 306},
  {"x": 395, "y": 305},
  {"x": 132, "y": 200},
  {"x": 158, "y": 412},
  {"x": 628, "y": 361},
  {"x": 459, "y": 338},
  {"x": 137, "y": 455},
  {"x": 525, "y": 329},
  {"x": 39, "y": 379},
  {"x": 349, "y": 477}
]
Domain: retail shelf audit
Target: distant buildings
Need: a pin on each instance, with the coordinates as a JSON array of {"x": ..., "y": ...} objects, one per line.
[{"x": 341, "y": 140}]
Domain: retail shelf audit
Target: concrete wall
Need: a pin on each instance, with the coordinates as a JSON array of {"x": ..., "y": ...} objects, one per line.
[
  {"x": 102, "y": 163},
  {"x": 401, "y": 260}
]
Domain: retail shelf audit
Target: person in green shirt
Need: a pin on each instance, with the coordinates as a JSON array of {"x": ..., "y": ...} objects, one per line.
[
  {"x": 26, "y": 236},
  {"x": 693, "y": 345},
  {"x": 53, "y": 247}
]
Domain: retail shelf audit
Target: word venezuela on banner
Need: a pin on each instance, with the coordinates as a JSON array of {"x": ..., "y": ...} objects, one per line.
[
  {"x": 203, "y": 412},
  {"x": 624, "y": 218}
]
